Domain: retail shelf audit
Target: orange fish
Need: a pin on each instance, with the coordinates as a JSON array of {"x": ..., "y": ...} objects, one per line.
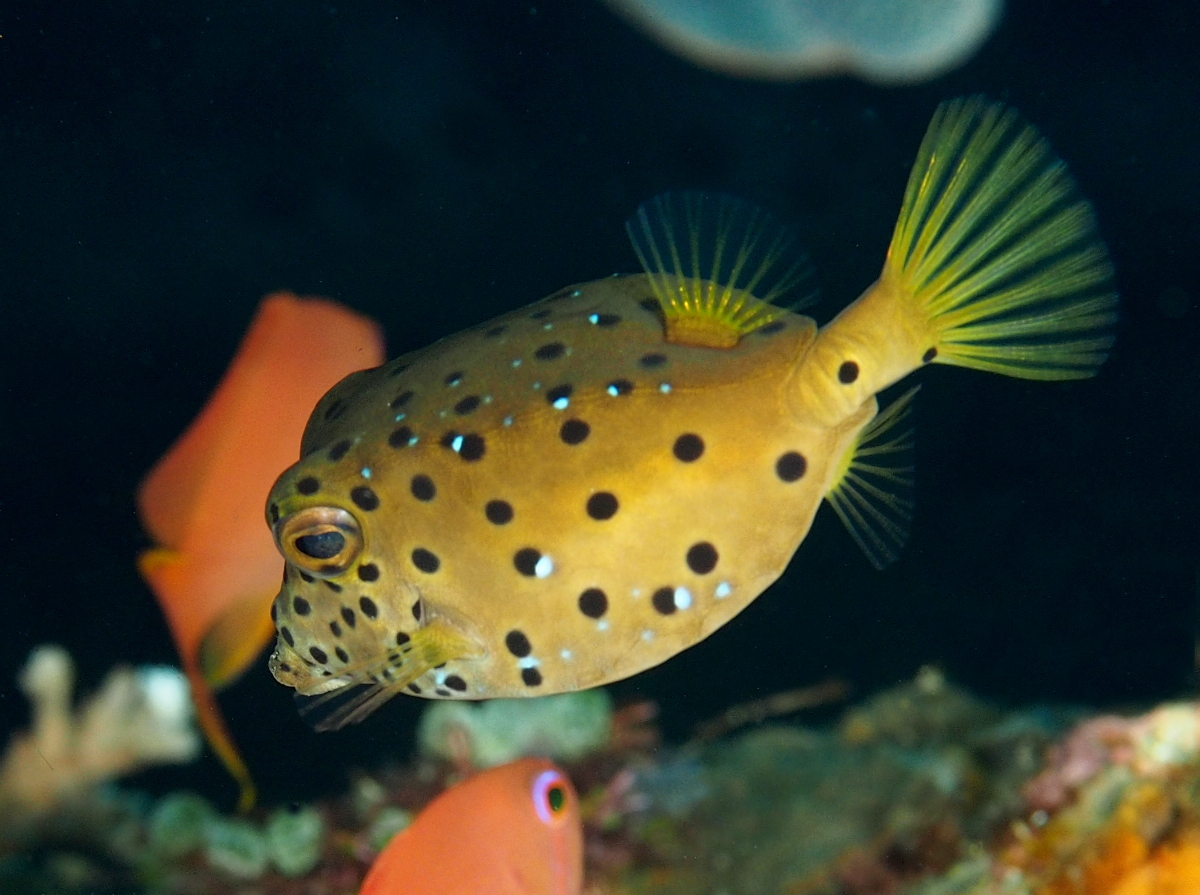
[
  {"x": 217, "y": 570},
  {"x": 511, "y": 830}
]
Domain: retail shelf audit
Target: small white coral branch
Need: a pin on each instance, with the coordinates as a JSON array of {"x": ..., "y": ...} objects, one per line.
[{"x": 137, "y": 718}]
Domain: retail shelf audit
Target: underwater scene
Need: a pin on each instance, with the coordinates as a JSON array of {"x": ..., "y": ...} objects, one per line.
[{"x": 601, "y": 447}]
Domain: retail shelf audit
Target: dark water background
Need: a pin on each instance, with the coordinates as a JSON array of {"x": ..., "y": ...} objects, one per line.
[{"x": 163, "y": 165}]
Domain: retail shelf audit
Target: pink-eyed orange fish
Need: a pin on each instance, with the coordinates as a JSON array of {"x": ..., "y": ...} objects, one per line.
[
  {"x": 216, "y": 569},
  {"x": 510, "y": 830},
  {"x": 580, "y": 489}
]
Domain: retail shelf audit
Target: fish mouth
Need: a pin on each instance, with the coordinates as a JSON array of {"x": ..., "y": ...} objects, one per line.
[{"x": 322, "y": 540}]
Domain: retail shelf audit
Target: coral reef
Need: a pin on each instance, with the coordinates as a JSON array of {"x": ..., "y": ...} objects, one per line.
[{"x": 138, "y": 717}]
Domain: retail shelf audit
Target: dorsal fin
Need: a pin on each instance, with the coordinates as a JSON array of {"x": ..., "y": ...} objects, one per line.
[
  {"x": 872, "y": 492},
  {"x": 719, "y": 267}
]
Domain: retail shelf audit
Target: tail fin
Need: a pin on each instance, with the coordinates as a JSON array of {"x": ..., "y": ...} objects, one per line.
[{"x": 996, "y": 247}]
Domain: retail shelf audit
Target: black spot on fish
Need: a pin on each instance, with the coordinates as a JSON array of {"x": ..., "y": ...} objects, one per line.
[
  {"x": 558, "y": 393},
  {"x": 526, "y": 560},
  {"x": 425, "y": 560},
  {"x": 605, "y": 319},
  {"x": 339, "y": 450},
  {"x": 847, "y": 372},
  {"x": 473, "y": 447},
  {"x": 651, "y": 305},
  {"x": 308, "y": 485},
  {"x": 368, "y": 572},
  {"x": 453, "y": 379},
  {"x": 791, "y": 466},
  {"x": 602, "y": 505},
  {"x": 400, "y": 437},
  {"x": 416, "y": 610},
  {"x": 541, "y": 315},
  {"x": 287, "y": 636},
  {"x": 688, "y": 447},
  {"x": 307, "y": 578},
  {"x": 273, "y": 512},
  {"x": 929, "y": 355},
  {"x": 318, "y": 654},
  {"x": 422, "y": 488},
  {"x": 518, "y": 644},
  {"x": 442, "y": 692},
  {"x": 348, "y": 616},
  {"x": 574, "y": 432},
  {"x": 397, "y": 370},
  {"x": 402, "y": 638},
  {"x": 498, "y": 512},
  {"x": 301, "y": 606},
  {"x": 664, "y": 600},
  {"x": 414, "y": 689},
  {"x": 454, "y": 682},
  {"x": 334, "y": 410},
  {"x": 401, "y": 399},
  {"x": 368, "y": 607},
  {"x": 550, "y": 351},
  {"x": 771, "y": 328},
  {"x": 531, "y": 677},
  {"x": 333, "y": 586},
  {"x": 702, "y": 558},
  {"x": 342, "y": 654},
  {"x": 364, "y": 498},
  {"x": 469, "y": 404},
  {"x": 593, "y": 602},
  {"x": 335, "y": 629},
  {"x": 652, "y": 361}
]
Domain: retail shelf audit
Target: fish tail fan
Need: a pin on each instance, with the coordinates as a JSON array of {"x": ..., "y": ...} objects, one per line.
[
  {"x": 874, "y": 484},
  {"x": 719, "y": 267},
  {"x": 999, "y": 252}
]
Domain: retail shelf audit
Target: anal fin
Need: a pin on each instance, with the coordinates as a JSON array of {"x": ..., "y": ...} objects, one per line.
[{"x": 873, "y": 488}]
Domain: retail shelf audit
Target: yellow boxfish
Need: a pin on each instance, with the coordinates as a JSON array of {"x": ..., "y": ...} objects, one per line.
[{"x": 579, "y": 490}]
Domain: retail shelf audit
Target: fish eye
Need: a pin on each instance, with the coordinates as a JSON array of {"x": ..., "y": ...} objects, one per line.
[
  {"x": 323, "y": 541},
  {"x": 550, "y": 796}
]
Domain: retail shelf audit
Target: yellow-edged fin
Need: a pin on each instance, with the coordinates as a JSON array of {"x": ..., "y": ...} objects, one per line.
[
  {"x": 999, "y": 251},
  {"x": 872, "y": 490},
  {"x": 332, "y": 703},
  {"x": 235, "y": 639},
  {"x": 718, "y": 266}
]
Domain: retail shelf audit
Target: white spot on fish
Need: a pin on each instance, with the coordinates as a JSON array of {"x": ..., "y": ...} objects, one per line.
[
  {"x": 561, "y": 403},
  {"x": 614, "y": 391},
  {"x": 576, "y": 294},
  {"x": 544, "y": 567},
  {"x": 508, "y": 421},
  {"x": 537, "y": 385},
  {"x": 400, "y": 416},
  {"x": 487, "y": 399},
  {"x": 683, "y": 598},
  {"x": 456, "y": 444},
  {"x": 723, "y": 590},
  {"x": 602, "y": 625},
  {"x": 528, "y": 662},
  {"x": 593, "y": 318},
  {"x": 636, "y": 592},
  {"x": 547, "y": 326},
  {"x": 414, "y": 440},
  {"x": 365, "y": 472},
  {"x": 567, "y": 655},
  {"x": 440, "y": 678},
  {"x": 665, "y": 388},
  {"x": 443, "y": 414},
  {"x": 517, "y": 362},
  {"x": 647, "y": 635}
]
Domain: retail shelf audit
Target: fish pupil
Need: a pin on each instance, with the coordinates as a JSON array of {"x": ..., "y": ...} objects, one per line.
[
  {"x": 325, "y": 545},
  {"x": 556, "y": 798}
]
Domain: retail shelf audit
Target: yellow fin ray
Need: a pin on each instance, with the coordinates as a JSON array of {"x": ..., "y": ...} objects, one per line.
[
  {"x": 368, "y": 685},
  {"x": 873, "y": 486},
  {"x": 999, "y": 251},
  {"x": 718, "y": 267}
]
